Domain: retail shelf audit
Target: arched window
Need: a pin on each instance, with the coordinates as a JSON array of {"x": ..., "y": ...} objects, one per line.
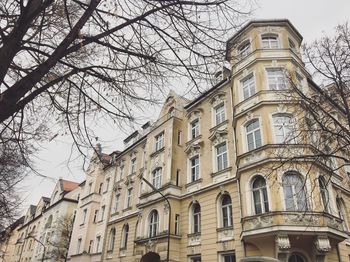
[
  {"x": 283, "y": 128},
  {"x": 196, "y": 218},
  {"x": 244, "y": 49},
  {"x": 111, "y": 239},
  {"x": 261, "y": 202},
  {"x": 296, "y": 258},
  {"x": 157, "y": 178},
  {"x": 125, "y": 233},
  {"x": 342, "y": 214},
  {"x": 324, "y": 193},
  {"x": 253, "y": 134},
  {"x": 153, "y": 223},
  {"x": 294, "y": 192},
  {"x": 226, "y": 210},
  {"x": 269, "y": 41}
]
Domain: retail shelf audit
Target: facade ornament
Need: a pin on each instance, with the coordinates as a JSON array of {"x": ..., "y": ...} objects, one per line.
[
  {"x": 218, "y": 98},
  {"x": 222, "y": 190},
  {"x": 322, "y": 244},
  {"x": 166, "y": 208},
  {"x": 274, "y": 63},
  {"x": 195, "y": 114},
  {"x": 281, "y": 108},
  {"x": 193, "y": 149},
  {"x": 283, "y": 243},
  {"x": 224, "y": 245},
  {"x": 128, "y": 181},
  {"x": 117, "y": 187},
  {"x": 150, "y": 246},
  {"x": 218, "y": 136}
]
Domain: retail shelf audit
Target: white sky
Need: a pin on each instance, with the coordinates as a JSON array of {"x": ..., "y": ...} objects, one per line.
[{"x": 312, "y": 18}]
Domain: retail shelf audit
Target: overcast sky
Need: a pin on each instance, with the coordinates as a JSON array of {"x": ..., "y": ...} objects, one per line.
[{"x": 312, "y": 18}]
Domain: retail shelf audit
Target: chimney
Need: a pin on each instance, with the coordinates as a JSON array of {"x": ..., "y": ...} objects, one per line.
[{"x": 98, "y": 149}]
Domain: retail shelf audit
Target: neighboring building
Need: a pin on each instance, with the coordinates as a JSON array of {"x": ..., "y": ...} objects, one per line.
[
  {"x": 8, "y": 239},
  {"x": 93, "y": 208},
  {"x": 46, "y": 228}
]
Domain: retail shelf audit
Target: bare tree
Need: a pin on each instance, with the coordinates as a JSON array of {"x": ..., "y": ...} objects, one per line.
[{"x": 71, "y": 60}]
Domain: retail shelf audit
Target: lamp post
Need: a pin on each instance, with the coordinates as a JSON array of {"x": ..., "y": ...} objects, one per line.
[
  {"x": 169, "y": 220},
  {"x": 35, "y": 239}
]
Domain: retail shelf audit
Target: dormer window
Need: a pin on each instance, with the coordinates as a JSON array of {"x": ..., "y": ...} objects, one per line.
[
  {"x": 269, "y": 41},
  {"x": 291, "y": 44},
  {"x": 244, "y": 49}
]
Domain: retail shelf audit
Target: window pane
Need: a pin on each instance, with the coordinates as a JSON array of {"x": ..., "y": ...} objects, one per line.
[{"x": 257, "y": 202}]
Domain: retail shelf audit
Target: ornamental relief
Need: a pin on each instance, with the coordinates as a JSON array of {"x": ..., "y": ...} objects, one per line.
[
  {"x": 196, "y": 114},
  {"x": 218, "y": 136},
  {"x": 269, "y": 30},
  {"x": 217, "y": 99},
  {"x": 258, "y": 222},
  {"x": 193, "y": 150},
  {"x": 301, "y": 219}
]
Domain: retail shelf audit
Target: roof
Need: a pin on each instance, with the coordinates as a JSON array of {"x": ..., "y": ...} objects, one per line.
[
  {"x": 264, "y": 22},
  {"x": 46, "y": 199},
  {"x": 32, "y": 209},
  {"x": 67, "y": 185}
]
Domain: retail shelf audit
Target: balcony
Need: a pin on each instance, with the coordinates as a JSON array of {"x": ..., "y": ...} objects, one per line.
[
  {"x": 93, "y": 197},
  {"x": 307, "y": 222}
]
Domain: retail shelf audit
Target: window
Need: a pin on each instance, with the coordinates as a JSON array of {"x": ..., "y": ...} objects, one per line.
[
  {"x": 95, "y": 216},
  {"x": 269, "y": 41},
  {"x": 48, "y": 222},
  {"x": 283, "y": 128},
  {"x": 244, "y": 49},
  {"x": 226, "y": 211},
  {"x": 121, "y": 171},
  {"x": 129, "y": 198},
  {"x": 107, "y": 184},
  {"x": 111, "y": 239},
  {"x": 194, "y": 168},
  {"x": 324, "y": 193},
  {"x": 276, "y": 79},
  {"x": 84, "y": 216},
  {"x": 91, "y": 244},
  {"x": 248, "y": 85},
  {"x": 125, "y": 233},
  {"x": 98, "y": 241},
  {"x": 296, "y": 258},
  {"x": 159, "y": 141},
  {"x": 177, "y": 224},
  {"x": 116, "y": 204},
  {"x": 90, "y": 188},
  {"x": 100, "y": 188},
  {"x": 294, "y": 192},
  {"x": 79, "y": 245},
  {"x": 221, "y": 156},
  {"x": 157, "y": 178},
  {"x": 253, "y": 134},
  {"x": 228, "y": 257},
  {"x": 196, "y": 218},
  {"x": 153, "y": 224},
  {"x": 133, "y": 166},
  {"x": 177, "y": 177},
  {"x": 220, "y": 114},
  {"x": 196, "y": 259},
  {"x": 342, "y": 214},
  {"x": 194, "y": 129},
  {"x": 103, "y": 208},
  {"x": 261, "y": 202},
  {"x": 179, "y": 136},
  {"x": 291, "y": 44}
]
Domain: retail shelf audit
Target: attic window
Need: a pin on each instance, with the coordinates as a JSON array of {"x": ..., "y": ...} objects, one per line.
[
  {"x": 269, "y": 41},
  {"x": 291, "y": 44}
]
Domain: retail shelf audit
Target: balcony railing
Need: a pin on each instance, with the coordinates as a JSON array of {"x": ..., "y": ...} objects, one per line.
[{"x": 307, "y": 220}]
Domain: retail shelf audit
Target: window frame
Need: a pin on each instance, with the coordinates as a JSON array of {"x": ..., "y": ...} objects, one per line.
[
  {"x": 133, "y": 164},
  {"x": 244, "y": 49},
  {"x": 194, "y": 129},
  {"x": 284, "y": 127},
  {"x": 274, "y": 78},
  {"x": 270, "y": 43},
  {"x": 262, "y": 193},
  {"x": 159, "y": 141},
  {"x": 128, "y": 202},
  {"x": 226, "y": 211},
  {"x": 157, "y": 177},
  {"x": 324, "y": 193},
  {"x": 153, "y": 224},
  {"x": 111, "y": 239},
  {"x": 253, "y": 132},
  {"x": 223, "y": 156},
  {"x": 195, "y": 218},
  {"x": 125, "y": 236},
  {"x": 219, "y": 116},
  {"x": 194, "y": 170},
  {"x": 296, "y": 193},
  {"x": 249, "y": 83}
]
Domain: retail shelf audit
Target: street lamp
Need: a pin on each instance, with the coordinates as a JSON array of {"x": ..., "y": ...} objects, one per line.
[
  {"x": 169, "y": 221},
  {"x": 35, "y": 239}
]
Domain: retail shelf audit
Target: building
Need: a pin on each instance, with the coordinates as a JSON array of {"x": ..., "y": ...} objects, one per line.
[
  {"x": 44, "y": 232},
  {"x": 8, "y": 239}
]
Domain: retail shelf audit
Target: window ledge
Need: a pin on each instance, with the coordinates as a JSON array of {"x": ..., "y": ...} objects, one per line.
[
  {"x": 157, "y": 152},
  {"x": 221, "y": 229},
  {"x": 193, "y": 140},
  {"x": 194, "y": 182},
  {"x": 127, "y": 209},
  {"x": 221, "y": 171},
  {"x": 218, "y": 125},
  {"x": 194, "y": 234}
]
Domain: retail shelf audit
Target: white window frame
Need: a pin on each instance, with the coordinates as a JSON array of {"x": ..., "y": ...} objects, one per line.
[
  {"x": 254, "y": 133},
  {"x": 84, "y": 216},
  {"x": 226, "y": 208},
  {"x": 295, "y": 193},
  {"x": 159, "y": 141},
  {"x": 98, "y": 242},
  {"x": 194, "y": 217},
  {"x": 222, "y": 256},
  {"x": 220, "y": 158},
  {"x": 284, "y": 127},
  {"x": 128, "y": 200},
  {"x": 270, "y": 41},
  {"x": 103, "y": 209},
  {"x": 195, "y": 168},
  {"x": 121, "y": 171},
  {"x": 261, "y": 195},
  {"x": 125, "y": 236},
  {"x": 157, "y": 177},
  {"x": 244, "y": 49},
  {"x": 79, "y": 245},
  {"x": 111, "y": 239},
  {"x": 116, "y": 202},
  {"x": 194, "y": 129},
  {"x": 276, "y": 77},
  {"x": 108, "y": 180},
  {"x": 324, "y": 194},
  {"x": 219, "y": 114},
  {"x": 153, "y": 224},
  {"x": 133, "y": 166},
  {"x": 248, "y": 83}
]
